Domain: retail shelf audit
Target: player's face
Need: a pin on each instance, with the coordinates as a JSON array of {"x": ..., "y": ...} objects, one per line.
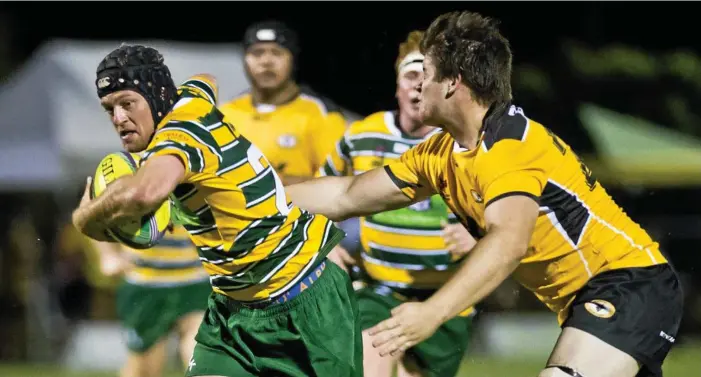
[
  {"x": 432, "y": 94},
  {"x": 268, "y": 65},
  {"x": 132, "y": 119},
  {"x": 408, "y": 92}
]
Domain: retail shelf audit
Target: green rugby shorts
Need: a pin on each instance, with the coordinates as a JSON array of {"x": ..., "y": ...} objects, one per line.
[{"x": 314, "y": 333}]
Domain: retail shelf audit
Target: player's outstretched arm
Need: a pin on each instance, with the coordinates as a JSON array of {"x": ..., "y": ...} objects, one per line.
[
  {"x": 340, "y": 198},
  {"x": 509, "y": 225},
  {"x": 129, "y": 197},
  {"x": 510, "y": 222}
]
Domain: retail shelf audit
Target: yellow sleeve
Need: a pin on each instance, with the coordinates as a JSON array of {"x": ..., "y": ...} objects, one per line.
[
  {"x": 328, "y": 130},
  {"x": 409, "y": 173},
  {"x": 189, "y": 141},
  {"x": 513, "y": 167}
]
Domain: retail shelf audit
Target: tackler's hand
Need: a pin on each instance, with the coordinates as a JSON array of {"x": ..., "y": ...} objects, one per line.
[
  {"x": 410, "y": 324},
  {"x": 457, "y": 239},
  {"x": 342, "y": 258}
]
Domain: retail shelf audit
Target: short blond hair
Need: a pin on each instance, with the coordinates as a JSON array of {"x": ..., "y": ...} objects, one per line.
[{"x": 411, "y": 44}]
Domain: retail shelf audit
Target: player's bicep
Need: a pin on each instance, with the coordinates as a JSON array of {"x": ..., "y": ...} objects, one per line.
[
  {"x": 408, "y": 180},
  {"x": 157, "y": 178},
  {"x": 513, "y": 218}
]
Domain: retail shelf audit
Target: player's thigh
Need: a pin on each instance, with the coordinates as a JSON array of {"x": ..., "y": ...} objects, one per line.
[
  {"x": 409, "y": 368},
  {"x": 589, "y": 356},
  {"x": 187, "y": 327},
  {"x": 375, "y": 365},
  {"x": 442, "y": 353},
  {"x": 374, "y": 306}
]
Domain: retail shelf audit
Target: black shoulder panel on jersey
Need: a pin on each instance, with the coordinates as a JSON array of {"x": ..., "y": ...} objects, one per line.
[
  {"x": 331, "y": 107},
  {"x": 504, "y": 122}
]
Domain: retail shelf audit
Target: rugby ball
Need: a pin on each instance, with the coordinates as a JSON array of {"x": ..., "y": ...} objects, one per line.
[{"x": 141, "y": 233}]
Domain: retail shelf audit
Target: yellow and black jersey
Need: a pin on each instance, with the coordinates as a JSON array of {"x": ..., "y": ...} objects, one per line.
[
  {"x": 295, "y": 136},
  {"x": 580, "y": 231},
  {"x": 253, "y": 243},
  {"x": 172, "y": 262},
  {"x": 402, "y": 249}
]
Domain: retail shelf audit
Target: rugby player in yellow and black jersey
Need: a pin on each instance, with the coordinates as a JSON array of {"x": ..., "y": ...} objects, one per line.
[
  {"x": 293, "y": 127},
  {"x": 546, "y": 219},
  {"x": 278, "y": 308}
]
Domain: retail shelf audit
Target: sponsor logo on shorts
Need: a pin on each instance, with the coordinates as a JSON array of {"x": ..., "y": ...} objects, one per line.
[
  {"x": 191, "y": 364},
  {"x": 600, "y": 308},
  {"x": 667, "y": 337}
]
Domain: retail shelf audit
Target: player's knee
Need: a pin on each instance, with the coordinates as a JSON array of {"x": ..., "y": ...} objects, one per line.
[{"x": 559, "y": 371}]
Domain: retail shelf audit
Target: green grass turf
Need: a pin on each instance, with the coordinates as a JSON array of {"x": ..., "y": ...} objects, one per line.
[{"x": 682, "y": 362}]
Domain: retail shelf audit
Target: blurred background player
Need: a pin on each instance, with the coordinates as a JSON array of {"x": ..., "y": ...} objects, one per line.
[
  {"x": 294, "y": 128},
  {"x": 409, "y": 252},
  {"x": 164, "y": 289}
]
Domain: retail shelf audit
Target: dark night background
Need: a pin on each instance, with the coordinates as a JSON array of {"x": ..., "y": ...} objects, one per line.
[{"x": 348, "y": 51}]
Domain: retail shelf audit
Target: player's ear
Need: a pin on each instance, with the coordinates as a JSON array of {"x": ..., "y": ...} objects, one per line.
[{"x": 452, "y": 86}]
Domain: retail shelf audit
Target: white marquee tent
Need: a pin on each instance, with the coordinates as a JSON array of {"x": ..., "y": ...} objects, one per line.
[{"x": 54, "y": 131}]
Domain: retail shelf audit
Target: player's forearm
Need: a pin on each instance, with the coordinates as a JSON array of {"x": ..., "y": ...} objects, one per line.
[
  {"x": 325, "y": 195},
  {"x": 293, "y": 179},
  {"x": 491, "y": 261}
]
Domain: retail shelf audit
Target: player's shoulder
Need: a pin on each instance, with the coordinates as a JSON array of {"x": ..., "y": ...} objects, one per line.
[
  {"x": 438, "y": 143},
  {"x": 315, "y": 103},
  {"x": 240, "y": 102},
  {"x": 196, "y": 105},
  {"x": 505, "y": 122},
  {"x": 200, "y": 86},
  {"x": 375, "y": 123}
]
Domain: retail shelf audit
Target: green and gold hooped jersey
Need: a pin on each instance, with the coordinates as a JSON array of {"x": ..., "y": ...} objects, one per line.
[
  {"x": 402, "y": 248},
  {"x": 251, "y": 240},
  {"x": 172, "y": 262}
]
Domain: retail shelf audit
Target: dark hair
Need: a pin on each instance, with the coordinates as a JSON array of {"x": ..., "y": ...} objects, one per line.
[{"x": 470, "y": 45}]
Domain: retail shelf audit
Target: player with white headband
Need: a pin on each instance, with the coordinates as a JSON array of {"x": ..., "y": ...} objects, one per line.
[{"x": 406, "y": 253}]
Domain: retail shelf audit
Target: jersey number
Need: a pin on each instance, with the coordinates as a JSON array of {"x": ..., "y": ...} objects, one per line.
[
  {"x": 589, "y": 178},
  {"x": 254, "y": 156}
]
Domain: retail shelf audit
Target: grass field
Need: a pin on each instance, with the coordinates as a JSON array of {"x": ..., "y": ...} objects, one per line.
[{"x": 682, "y": 362}]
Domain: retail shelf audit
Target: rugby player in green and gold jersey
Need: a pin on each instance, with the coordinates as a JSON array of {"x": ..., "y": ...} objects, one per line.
[{"x": 278, "y": 306}]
